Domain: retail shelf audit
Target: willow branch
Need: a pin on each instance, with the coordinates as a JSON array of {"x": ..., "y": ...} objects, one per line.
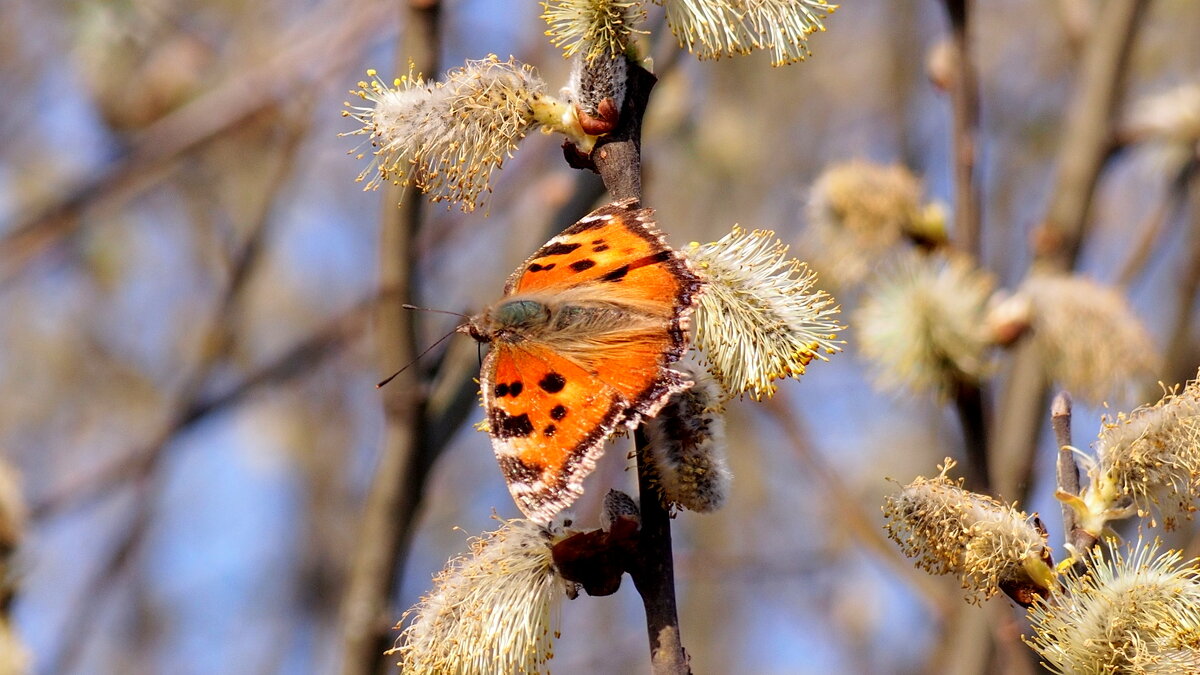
[
  {"x": 1086, "y": 143},
  {"x": 322, "y": 45},
  {"x": 1087, "y": 133},
  {"x": 1151, "y": 228},
  {"x": 399, "y": 478},
  {"x": 964, "y": 95},
  {"x": 972, "y": 416},
  {"x": 617, "y": 158},
  {"x": 654, "y": 575},
  {"x": 1179, "y": 359}
]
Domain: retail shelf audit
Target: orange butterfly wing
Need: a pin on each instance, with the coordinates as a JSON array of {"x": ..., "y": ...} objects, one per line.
[
  {"x": 616, "y": 255},
  {"x": 549, "y": 418}
]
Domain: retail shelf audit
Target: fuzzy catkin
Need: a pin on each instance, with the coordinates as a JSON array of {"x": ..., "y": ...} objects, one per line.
[
  {"x": 760, "y": 317},
  {"x": 489, "y": 611},
  {"x": 950, "y": 530},
  {"x": 687, "y": 445}
]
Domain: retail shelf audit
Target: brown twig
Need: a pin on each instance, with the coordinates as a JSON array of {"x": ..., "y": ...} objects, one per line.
[
  {"x": 1179, "y": 362},
  {"x": 654, "y": 575},
  {"x": 1151, "y": 227},
  {"x": 406, "y": 457},
  {"x": 972, "y": 416},
  {"x": 1086, "y": 143},
  {"x": 618, "y": 156},
  {"x": 1087, "y": 134},
  {"x": 1079, "y": 540},
  {"x": 320, "y": 45},
  {"x": 965, "y": 97}
]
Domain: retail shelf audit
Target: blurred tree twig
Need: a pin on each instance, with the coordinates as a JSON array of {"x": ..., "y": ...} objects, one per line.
[
  {"x": 406, "y": 457},
  {"x": 1087, "y": 132},
  {"x": 306, "y": 54},
  {"x": 1151, "y": 227},
  {"x": 964, "y": 95}
]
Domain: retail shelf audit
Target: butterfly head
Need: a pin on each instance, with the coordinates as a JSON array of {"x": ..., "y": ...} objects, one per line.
[{"x": 509, "y": 321}]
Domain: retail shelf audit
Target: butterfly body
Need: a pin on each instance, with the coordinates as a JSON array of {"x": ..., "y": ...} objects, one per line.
[{"x": 580, "y": 345}]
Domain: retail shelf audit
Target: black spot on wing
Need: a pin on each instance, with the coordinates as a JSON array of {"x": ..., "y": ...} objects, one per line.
[
  {"x": 599, "y": 248},
  {"x": 552, "y": 383},
  {"x": 534, "y": 267},
  {"x": 549, "y": 431},
  {"x": 557, "y": 249},
  {"x": 558, "y": 412},
  {"x": 581, "y": 265},
  {"x": 504, "y": 425},
  {"x": 512, "y": 389}
]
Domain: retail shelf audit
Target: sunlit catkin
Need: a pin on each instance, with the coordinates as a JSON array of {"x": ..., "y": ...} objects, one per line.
[
  {"x": 1128, "y": 613},
  {"x": 760, "y": 318},
  {"x": 712, "y": 29},
  {"x": 1147, "y": 461},
  {"x": 592, "y": 28},
  {"x": 921, "y": 324},
  {"x": 489, "y": 611},
  {"x": 1090, "y": 341},
  {"x": 446, "y": 138},
  {"x": 687, "y": 444},
  {"x": 949, "y": 530}
]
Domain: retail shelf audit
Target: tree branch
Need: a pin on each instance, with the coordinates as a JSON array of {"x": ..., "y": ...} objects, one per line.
[
  {"x": 618, "y": 156},
  {"x": 964, "y": 95},
  {"x": 1087, "y": 134},
  {"x": 654, "y": 575},
  {"x": 321, "y": 45},
  {"x": 398, "y": 483}
]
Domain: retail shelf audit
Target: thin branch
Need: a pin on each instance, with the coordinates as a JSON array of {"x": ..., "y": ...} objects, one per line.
[
  {"x": 305, "y": 55},
  {"x": 1077, "y": 539},
  {"x": 1087, "y": 133},
  {"x": 618, "y": 156},
  {"x": 1151, "y": 227},
  {"x": 654, "y": 575},
  {"x": 1179, "y": 358},
  {"x": 972, "y": 416},
  {"x": 1086, "y": 143},
  {"x": 299, "y": 359},
  {"x": 965, "y": 97},
  {"x": 1067, "y": 470},
  {"x": 406, "y": 457}
]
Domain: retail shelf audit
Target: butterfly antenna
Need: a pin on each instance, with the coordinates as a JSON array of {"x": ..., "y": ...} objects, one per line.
[
  {"x": 427, "y": 350},
  {"x": 435, "y": 311}
]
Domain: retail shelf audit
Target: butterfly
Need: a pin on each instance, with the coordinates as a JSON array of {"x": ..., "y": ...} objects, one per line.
[{"x": 581, "y": 345}]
